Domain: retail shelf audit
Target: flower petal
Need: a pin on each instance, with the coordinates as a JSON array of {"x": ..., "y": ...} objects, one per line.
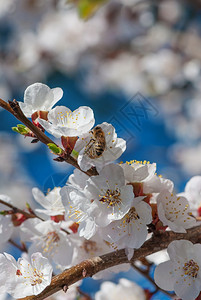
[{"x": 163, "y": 276}]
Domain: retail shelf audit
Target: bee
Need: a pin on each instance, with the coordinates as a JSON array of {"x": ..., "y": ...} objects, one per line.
[{"x": 97, "y": 144}]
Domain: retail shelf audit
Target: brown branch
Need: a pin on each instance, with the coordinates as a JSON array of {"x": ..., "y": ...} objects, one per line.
[
  {"x": 96, "y": 264},
  {"x": 20, "y": 247},
  {"x": 86, "y": 296},
  {"x": 26, "y": 214},
  {"x": 18, "y": 210},
  {"x": 21, "y": 117},
  {"x": 14, "y": 108},
  {"x": 6, "y": 106}
]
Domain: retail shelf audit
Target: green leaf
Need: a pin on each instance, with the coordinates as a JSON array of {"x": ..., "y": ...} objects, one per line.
[
  {"x": 21, "y": 126},
  {"x": 3, "y": 212},
  {"x": 15, "y": 129},
  {"x": 86, "y": 8},
  {"x": 27, "y": 205},
  {"x": 54, "y": 148},
  {"x": 75, "y": 153},
  {"x": 22, "y": 129}
]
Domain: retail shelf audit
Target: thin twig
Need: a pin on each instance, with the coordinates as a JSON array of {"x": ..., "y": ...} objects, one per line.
[
  {"x": 14, "y": 108},
  {"x": 20, "y": 247},
  {"x": 86, "y": 296},
  {"x": 6, "y": 106},
  {"x": 18, "y": 210}
]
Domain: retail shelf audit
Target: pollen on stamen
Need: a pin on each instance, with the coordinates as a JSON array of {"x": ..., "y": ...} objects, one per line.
[
  {"x": 111, "y": 197},
  {"x": 191, "y": 268}
]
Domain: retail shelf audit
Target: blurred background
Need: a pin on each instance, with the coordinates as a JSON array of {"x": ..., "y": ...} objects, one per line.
[{"x": 137, "y": 64}]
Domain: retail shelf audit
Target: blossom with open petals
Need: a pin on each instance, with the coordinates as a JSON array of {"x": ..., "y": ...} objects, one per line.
[
  {"x": 64, "y": 122},
  {"x": 51, "y": 202},
  {"x": 193, "y": 193},
  {"x": 77, "y": 209},
  {"x": 131, "y": 230},
  {"x": 109, "y": 194},
  {"x": 39, "y": 97},
  {"x": 144, "y": 173},
  {"x": 174, "y": 212},
  {"x": 48, "y": 238},
  {"x": 77, "y": 179},
  {"x": 182, "y": 273},
  {"x": 111, "y": 149},
  {"x": 96, "y": 246},
  {"x": 104, "y": 198},
  {"x": 125, "y": 289},
  {"x": 23, "y": 278}
]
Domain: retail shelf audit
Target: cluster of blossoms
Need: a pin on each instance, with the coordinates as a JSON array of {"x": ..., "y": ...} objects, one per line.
[
  {"x": 104, "y": 205},
  {"x": 133, "y": 37}
]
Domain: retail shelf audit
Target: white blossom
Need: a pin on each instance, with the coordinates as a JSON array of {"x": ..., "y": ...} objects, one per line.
[
  {"x": 112, "y": 149},
  {"x": 85, "y": 249},
  {"x": 77, "y": 206},
  {"x": 77, "y": 179},
  {"x": 78, "y": 209},
  {"x": 131, "y": 230},
  {"x": 24, "y": 278},
  {"x": 174, "y": 212},
  {"x": 103, "y": 199},
  {"x": 75, "y": 210},
  {"x": 39, "y": 97},
  {"x": 125, "y": 289},
  {"x": 110, "y": 196},
  {"x": 145, "y": 173},
  {"x": 6, "y": 272},
  {"x": 51, "y": 202},
  {"x": 182, "y": 273},
  {"x": 158, "y": 257},
  {"x": 193, "y": 193},
  {"x": 49, "y": 239},
  {"x": 96, "y": 246},
  {"x": 64, "y": 122}
]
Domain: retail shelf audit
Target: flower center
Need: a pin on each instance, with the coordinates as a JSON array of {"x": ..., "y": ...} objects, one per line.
[
  {"x": 111, "y": 197},
  {"x": 32, "y": 274},
  {"x": 68, "y": 119},
  {"x": 50, "y": 241},
  {"x": 75, "y": 214},
  {"x": 63, "y": 118},
  {"x": 191, "y": 268},
  {"x": 36, "y": 277},
  {"x": 131, "y": 215}
]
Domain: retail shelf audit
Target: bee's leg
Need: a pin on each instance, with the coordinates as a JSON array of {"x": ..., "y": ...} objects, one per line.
[{"x": 89, "y": 145}]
